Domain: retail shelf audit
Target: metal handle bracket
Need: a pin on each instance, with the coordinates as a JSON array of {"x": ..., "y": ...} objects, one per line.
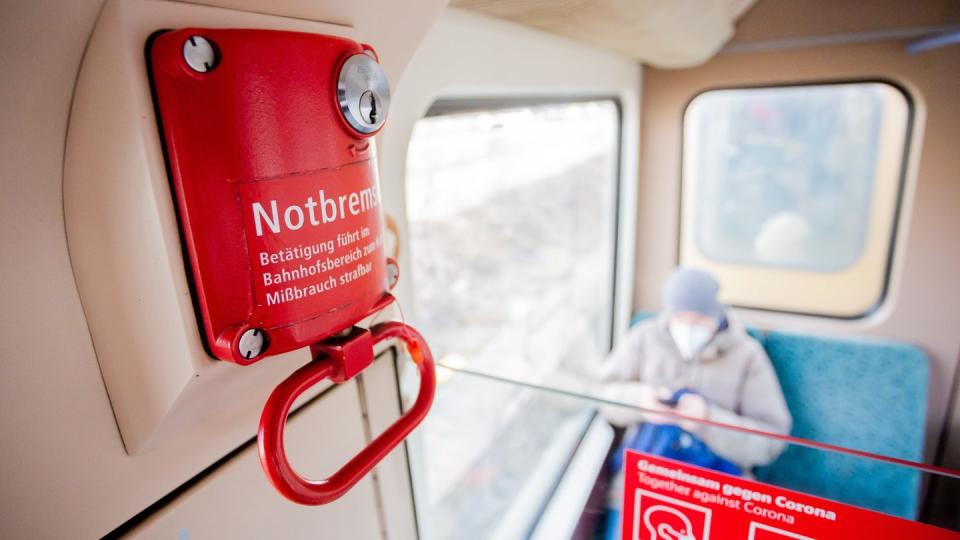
[{"x": 339, "y": 359}]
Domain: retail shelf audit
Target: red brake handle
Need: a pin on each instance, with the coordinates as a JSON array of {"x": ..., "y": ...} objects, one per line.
[{"x": 273, "y": 455}]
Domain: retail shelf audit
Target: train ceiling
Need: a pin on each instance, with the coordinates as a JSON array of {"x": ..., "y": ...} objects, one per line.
[{"x": 662, "y": 33}]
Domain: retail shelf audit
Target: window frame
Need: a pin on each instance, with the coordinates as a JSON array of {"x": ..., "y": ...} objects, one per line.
[
  {"x": 443, "y": 106},
  {"x": 898, "y": 202},
  {"x": 461, "y": 104}
]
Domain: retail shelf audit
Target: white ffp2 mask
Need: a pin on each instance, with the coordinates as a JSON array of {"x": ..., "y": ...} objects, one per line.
[{"x": 690, "y": 338}]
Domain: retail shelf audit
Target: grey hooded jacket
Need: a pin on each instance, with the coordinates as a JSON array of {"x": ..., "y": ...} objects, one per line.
[{"x": 732, "y": 372}]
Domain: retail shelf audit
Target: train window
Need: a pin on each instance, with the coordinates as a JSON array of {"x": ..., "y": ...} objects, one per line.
[
  {"x": 791, "y": 194},
  {"x": 512, "y": 213}
]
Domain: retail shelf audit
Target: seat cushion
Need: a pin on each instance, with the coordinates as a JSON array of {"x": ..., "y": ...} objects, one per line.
[{"x": 856, "y": 393}]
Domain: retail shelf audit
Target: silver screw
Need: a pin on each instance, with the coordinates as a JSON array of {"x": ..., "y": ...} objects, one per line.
[
  {"x": 199, "y": 54},
  {"x": 252, "y": 343}
]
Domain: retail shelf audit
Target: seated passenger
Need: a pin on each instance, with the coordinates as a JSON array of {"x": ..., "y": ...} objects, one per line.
[{"x": 698, "y": 361}]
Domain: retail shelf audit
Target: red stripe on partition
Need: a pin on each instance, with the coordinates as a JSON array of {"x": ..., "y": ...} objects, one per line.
[{"x": 932, "y": 469}]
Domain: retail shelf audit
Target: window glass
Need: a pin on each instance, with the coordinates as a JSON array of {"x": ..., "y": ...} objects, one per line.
[
  {"x": 796, "y": 187},
  {"x": 512, "y": 216},
  {"x": 512, "y": 226}
]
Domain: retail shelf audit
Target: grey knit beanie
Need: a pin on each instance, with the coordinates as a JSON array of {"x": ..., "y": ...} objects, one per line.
[{"x": 689, "y": 289}]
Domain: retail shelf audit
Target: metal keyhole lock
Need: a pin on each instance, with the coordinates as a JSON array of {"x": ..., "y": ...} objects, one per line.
[
  {"x": 363, "y": 93},
  {"x": 368, "y": 107}
]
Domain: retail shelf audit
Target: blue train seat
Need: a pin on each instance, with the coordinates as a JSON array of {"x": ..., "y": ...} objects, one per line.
[{"x": 863, "y": 394}]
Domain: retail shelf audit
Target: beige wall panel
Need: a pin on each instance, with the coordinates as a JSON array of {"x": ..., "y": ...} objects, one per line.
[
  {"x": 236, "y": 501},
  {"x": 775, "y": 20},
  {"x": 380, "y": 390}
]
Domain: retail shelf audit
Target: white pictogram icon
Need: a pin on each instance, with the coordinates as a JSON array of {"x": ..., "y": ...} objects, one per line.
[
  {"x": 759, "y": 531},
  {"x": 659, "y": 517},
  {"x": 658, "y": 523}
]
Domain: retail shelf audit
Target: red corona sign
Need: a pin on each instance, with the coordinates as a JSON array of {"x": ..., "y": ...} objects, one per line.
[{"x": 670, "y": 500}]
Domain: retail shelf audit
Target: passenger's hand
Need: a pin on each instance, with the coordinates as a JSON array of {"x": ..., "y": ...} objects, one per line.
[
  {"x": 624, "y": 399},
  {"x": 660, "y": 395},
  {"x": 692, "y": 406}
]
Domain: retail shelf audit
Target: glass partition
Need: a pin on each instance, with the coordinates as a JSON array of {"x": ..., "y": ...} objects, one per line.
[
  {"x": 512, "y": 212},
  {"x": 531, "y": 461}
]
